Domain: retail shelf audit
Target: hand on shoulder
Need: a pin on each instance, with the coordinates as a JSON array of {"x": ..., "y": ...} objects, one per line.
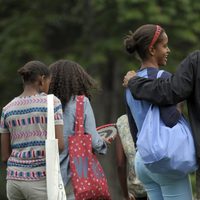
[{"x": 127, "y": 77}]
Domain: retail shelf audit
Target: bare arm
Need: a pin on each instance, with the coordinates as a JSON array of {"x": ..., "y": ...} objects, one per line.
[
  {"x": 59, "y": 136},
  {"x": 58, "y": 117},
  {"x": 121, "y": 168},
  {"x": 5, "y": 147}
]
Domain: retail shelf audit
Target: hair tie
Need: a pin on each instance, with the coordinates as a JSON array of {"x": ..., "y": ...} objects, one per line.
[{"x": 156, "y": 35}]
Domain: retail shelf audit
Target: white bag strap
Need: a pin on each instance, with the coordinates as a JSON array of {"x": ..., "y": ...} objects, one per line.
[
  {"x": 50, "y": 117},
  {"x": 159, "y": 74}
]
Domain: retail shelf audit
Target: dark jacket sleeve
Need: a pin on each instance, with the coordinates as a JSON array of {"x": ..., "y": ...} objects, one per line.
[
  {"x": 169, "y": 114},
  {"x": 171, "y": 90}
]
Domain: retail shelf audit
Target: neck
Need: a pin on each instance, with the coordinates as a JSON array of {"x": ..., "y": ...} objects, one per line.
[
  {"x": 149, "y": 63},
  {"x": 30, "y": 90}
]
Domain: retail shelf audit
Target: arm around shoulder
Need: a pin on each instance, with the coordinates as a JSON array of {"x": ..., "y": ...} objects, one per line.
[{"x": 171, "y": 90}]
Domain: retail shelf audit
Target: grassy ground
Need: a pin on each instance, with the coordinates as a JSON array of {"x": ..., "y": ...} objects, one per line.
[{"x": 192, "y": 176}]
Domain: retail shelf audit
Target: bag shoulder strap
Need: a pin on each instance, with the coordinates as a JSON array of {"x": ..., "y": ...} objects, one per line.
[
  {"x": 159, "y": 74},
  {"x": 79, "y": 119},
  {"x": 50, "y": 117}
]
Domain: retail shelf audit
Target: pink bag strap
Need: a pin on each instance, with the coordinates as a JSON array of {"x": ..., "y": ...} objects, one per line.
[{"x": 79, "y": 119}]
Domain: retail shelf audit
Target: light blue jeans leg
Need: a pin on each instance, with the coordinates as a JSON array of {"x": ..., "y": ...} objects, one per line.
[{"x": 162, "y": 187}]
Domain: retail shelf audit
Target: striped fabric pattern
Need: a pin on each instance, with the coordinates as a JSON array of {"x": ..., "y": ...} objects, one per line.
[{"x": 25, "y": 118}]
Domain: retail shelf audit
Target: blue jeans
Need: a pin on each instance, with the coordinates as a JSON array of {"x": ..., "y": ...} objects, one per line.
[{"x": 162, "y": 187}]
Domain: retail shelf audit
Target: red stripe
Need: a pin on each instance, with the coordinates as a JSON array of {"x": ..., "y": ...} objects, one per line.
[
  {"x": 42, "y": 120},
  {"x": 106, "y": 125}
]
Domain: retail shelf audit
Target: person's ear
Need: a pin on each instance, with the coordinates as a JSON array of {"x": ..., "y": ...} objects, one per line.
[
  {"x": 152, "y": 51},
  {"x": 42, "y": 80},
  {"x": 41, "y": 83}
]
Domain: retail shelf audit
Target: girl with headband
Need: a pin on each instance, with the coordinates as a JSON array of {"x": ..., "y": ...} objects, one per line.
[{"x": 150, "y": 44}]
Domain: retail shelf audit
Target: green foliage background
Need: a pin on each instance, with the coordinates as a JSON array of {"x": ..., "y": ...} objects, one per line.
[{"x": 90, "y": 32}]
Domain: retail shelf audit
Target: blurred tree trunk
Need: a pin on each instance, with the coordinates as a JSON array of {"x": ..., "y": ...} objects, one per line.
[{"x": 109, "y": 103}]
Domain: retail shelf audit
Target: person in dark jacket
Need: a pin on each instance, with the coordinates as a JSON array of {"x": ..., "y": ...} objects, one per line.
[{"x": 183, "y": 85}]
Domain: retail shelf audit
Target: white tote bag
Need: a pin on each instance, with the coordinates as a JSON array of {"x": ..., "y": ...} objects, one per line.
[{"x": 55, "y": 186}]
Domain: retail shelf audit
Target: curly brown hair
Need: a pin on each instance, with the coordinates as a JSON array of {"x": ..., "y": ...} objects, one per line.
[{"x": 70, "y": 79}]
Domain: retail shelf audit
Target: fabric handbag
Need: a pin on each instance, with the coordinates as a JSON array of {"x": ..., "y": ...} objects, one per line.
[
  {"x": 164, "y": 149},
  {"x": 55, "y": 187},
  {"x": 88, "y": 178}
]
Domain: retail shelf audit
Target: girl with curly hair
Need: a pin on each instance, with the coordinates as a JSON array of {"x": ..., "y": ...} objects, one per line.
[{"x": 69, "y": 80}]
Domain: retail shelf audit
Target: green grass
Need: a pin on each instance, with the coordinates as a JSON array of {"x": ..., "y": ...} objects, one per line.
[{"x": 193, "y": 181}]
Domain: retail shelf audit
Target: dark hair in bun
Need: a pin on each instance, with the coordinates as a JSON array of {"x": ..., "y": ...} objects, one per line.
[
  {"x": 129, "y": 43},
  {"x": 31, "y": 70},
  {"x": 140, "y": 40}
]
